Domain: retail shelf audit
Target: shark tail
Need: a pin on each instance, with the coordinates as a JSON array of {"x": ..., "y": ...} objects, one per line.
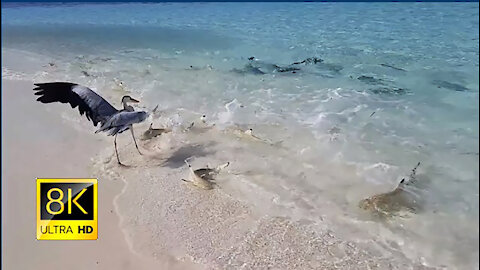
[{"x": 221, "y": 167}]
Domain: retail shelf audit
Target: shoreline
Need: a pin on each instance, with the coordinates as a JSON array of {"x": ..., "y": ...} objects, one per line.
[{"x": 161, "y": 218}]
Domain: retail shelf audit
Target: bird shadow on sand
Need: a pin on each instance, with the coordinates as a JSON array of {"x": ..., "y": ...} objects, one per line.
[{"x": 177, "y": 159}]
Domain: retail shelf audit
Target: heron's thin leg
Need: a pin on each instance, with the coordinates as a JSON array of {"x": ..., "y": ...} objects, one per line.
[
  {"x": 133, "y": 135},
  {"x": 116, "y": 152}
]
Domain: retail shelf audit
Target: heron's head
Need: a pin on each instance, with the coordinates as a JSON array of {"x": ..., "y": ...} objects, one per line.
[{"x": 126, "y": 99}]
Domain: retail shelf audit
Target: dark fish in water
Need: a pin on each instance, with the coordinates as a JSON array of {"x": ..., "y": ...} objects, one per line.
[
  {"x": 86, "y": 74},
  {"x": 309, "y": 61},
  {"x": 384, "y": 87},
  {"x": 286, "y": 69},
  {"x": 449, "y": 85},
  {"x": 105, "y": 59},
  {"x": 393, "y": 67},
  {"x": 203, "y": 177},
  {"x": 271, "y": 68},
  {"x": 389, "y": 91},
  {"x": 370, "y": 80},
  {"x": 153, "y": 132},
  {"x": 395, "y": 202},
  {"x": 257, "y": 67}
]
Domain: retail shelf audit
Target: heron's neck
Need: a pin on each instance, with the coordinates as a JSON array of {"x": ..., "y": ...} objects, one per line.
[{"x": 127, "y": 107}]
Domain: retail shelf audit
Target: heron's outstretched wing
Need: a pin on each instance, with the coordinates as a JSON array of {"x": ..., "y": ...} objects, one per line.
[
  {"x": 89, "y": 103},
  {"x": 121, "y": 121}
]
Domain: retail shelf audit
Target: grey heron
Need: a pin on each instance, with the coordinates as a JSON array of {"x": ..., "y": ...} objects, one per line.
[{"x": 95, "y": 108}]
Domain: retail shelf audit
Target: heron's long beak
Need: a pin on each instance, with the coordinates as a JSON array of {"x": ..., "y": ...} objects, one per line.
[{"x": 134, "y": 100}]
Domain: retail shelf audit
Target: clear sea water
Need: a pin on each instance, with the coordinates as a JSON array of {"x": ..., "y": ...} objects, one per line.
[{"x": 398, "y": 85}]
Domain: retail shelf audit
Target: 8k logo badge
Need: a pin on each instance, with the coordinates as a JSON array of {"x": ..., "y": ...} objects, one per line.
[{"x": 67, "y": 209}]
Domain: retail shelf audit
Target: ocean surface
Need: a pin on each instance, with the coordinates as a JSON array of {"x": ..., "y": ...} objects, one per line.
[{"x": 385, "y": 86}]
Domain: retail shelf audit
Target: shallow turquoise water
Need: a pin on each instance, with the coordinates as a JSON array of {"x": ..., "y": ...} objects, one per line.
[{"x": 398, "y": 83}]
